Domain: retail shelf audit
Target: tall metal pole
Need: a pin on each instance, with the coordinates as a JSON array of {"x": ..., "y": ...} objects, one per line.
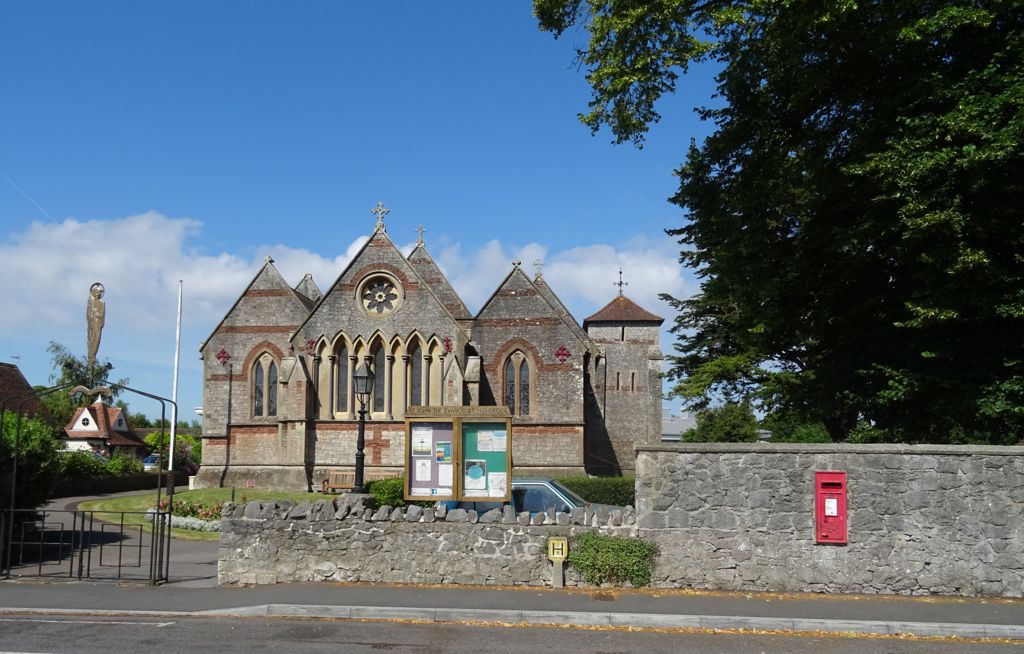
[
  {"x": 174, "y": 402},
  {"x": 357, "y": 487}
]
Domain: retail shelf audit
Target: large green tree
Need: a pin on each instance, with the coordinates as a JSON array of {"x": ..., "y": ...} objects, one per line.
[
  {"x": 71, "y": 369},
  {"x": 855, "y": 219}
]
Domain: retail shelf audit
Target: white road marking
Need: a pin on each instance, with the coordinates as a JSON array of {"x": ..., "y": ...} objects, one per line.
[{"x": 151, "y": 624}]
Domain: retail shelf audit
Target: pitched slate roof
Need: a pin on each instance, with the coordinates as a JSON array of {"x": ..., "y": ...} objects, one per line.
[
  {"x": 309, "y": 291},
  {"x": 431, "y": 274},
  {"x": 269, "y": 276},
  {"x": 13, "y": 385},
  {"x": 622, "y": 309}
]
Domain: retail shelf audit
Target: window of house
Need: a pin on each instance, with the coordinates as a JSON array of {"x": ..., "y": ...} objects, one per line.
[{"x": 517, "y": 384}]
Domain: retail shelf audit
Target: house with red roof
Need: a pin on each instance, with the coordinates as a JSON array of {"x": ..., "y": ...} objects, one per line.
[{"x": 103, "y": 429}]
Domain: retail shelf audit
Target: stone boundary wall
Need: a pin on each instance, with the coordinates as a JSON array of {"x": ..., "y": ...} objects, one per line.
[
  {"x": 922, "y": 519},
  {"x": 345, "y": 540}
]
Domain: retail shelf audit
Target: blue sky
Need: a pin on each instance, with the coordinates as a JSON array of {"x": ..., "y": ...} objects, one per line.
[{"x": 142, "y": 143}]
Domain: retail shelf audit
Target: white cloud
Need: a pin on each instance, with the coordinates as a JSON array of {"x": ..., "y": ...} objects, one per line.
[{"x": 49, "y": 268}]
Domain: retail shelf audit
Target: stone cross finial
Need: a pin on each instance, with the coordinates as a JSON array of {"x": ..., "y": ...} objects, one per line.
[
  {"x": 268, "y": 259},
  {"x": 380, "y": 211},
  {"x": 420, "y": 231},
  {"x": 620, "y": 283},
  {"x": 516, "y": 263},
  {"x": 538, "y": 265}
]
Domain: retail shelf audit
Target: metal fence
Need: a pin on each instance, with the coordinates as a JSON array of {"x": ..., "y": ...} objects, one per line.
[{"x": 100, "y": 545}]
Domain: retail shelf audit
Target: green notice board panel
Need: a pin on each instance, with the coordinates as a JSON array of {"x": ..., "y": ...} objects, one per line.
[
  {"x": 486, "y": 460},
  {"x": 431, "y": 458}
]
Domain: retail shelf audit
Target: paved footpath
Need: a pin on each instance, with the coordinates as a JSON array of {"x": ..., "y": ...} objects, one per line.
[{"x": 192, "y": 591}]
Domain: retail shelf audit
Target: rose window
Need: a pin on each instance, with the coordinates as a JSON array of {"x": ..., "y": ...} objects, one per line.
[{"x": 380, "y": 296}]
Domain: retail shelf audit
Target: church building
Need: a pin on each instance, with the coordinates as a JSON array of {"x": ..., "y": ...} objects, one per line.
[{"x": 279, "y": 408}]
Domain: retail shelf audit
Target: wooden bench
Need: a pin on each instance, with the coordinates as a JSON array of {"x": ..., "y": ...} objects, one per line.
[{"x": 338, "y": 480}]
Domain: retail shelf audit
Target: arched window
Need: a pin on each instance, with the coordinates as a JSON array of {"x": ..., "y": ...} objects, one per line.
[
  {"x": 379, "y": 371},
  {"x": 517, "y": 384},
  {"x": 341, "y": 379},
  {"x": 272, "y": 390},
  {"x": 524, "y": 388},
  {"x": 257, "y": 390},
  {"x": 416, "y": 374},
  {"x": 264, "y": 387}
]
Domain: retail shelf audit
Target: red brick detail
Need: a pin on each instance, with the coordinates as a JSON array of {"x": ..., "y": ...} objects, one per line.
[
  {"x": 546, "y": 430},
  {"x": 376, "y": 444},
  {"x": 519, "y": 322},
  {"x": 510, "y": 346},
  {"x": 360, "y": 275},
  {"x": 516, "y": 292},
  {"x": 258, "y": 349},
  {"x": 268, "y": 292},
  {"x": 241, "y": 432},
  {"x": 258, "y": 329},
  {"x": 632, "y": 341}
]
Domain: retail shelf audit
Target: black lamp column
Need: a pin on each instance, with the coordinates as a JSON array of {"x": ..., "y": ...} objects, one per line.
[{"x": 362, "y": 382}]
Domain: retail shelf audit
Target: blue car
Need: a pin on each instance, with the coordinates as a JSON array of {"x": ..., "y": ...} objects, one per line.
[{"x": 533, "y": 495}]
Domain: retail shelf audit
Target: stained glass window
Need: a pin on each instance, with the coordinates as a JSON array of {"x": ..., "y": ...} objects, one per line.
[
  {"x": 524, "y": 389},
  {"x": 257, "y": 390},
  {"x": 510, "y": 386},
  {"x": 342, "y": 381},
  {"x": 416, "y": 383},
  {"x": 378, "y": 379},
  {"x": 272, "y": 390}
]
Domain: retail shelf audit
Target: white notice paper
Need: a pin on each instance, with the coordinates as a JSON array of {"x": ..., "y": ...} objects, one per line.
[
  {"x": 484, "y": 440},
  {"x": 444, "y": 475},
  {"x": 499, "y": 441},
  {"x": 421, "y": 440},
  {"x": 496, "y": 484},
  {"x": 831, "y": 506},
  {"x": 423, "y": 470}
]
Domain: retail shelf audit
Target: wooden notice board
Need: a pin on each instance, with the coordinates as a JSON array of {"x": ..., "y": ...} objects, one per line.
[
  {"x": 430, "y": 456},
  {"x": 455, "y": 453},
  {"x": 487, "y": 460}
]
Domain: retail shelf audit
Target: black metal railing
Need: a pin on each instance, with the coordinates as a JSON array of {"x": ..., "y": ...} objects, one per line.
[{"x": 111, "y": 545}]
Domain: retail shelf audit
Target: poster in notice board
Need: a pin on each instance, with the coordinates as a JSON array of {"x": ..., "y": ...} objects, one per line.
[
  {"x": 487, "y": 460},
  {"x": 430, "y": 460}
]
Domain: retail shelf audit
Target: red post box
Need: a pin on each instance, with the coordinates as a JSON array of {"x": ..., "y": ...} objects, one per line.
[{"x": 830, "y": 507}]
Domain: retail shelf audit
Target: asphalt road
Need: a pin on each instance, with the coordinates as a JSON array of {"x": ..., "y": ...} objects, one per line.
[{"x": 43, "y": 634}]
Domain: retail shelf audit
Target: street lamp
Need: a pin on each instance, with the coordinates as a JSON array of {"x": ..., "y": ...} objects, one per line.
[{"x": 362, "y": 382}]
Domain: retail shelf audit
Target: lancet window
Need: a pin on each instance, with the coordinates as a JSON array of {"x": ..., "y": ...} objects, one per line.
[{"x": 264, "y": 387}]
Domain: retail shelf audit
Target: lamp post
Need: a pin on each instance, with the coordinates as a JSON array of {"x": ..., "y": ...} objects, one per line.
[{"x": 362, "y": 382}]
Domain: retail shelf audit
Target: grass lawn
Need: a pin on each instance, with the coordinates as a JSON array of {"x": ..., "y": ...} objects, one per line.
[{"x": 147, "y": 500}]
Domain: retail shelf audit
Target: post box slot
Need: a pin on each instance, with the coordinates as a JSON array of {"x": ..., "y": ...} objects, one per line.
[{"x": 831, "y": 484}]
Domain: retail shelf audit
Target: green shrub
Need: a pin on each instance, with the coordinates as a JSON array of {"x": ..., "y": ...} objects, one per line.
[
  {"x": 620, "y": 491},
  {"x": 387, "y": 492},
  {"x": 38, "y": 461},
  {"x": 612, "y": 559},
  {"x": 123, "y": 464},
  {"x": 77, "y": 464}
]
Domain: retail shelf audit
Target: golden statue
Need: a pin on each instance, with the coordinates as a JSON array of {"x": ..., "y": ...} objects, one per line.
[{"x": 95, "y": 316}]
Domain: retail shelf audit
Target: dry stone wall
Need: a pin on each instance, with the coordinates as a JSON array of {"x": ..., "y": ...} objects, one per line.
[
  {"x": 347, "y": 540},
  {"x": 922, "y": 519}
]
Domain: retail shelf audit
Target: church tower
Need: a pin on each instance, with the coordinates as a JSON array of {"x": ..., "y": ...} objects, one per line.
[{"x": 623, "y": 400}]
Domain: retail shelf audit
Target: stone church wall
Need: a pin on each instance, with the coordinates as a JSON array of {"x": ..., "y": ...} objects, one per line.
[{"x": 922, "y": 519}]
